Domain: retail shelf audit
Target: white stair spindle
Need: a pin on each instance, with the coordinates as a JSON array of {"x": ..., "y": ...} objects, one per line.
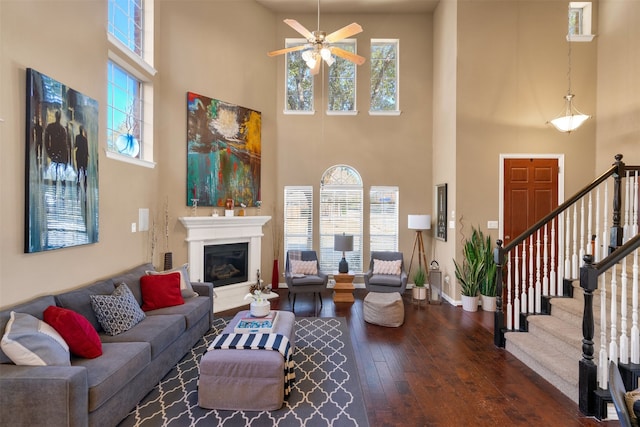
[
  {"x": 613, "y": 345},
  {"x": 596, "y": 256},
  {"x": 582, "y": 239},
  {"x": 589, "y": 221},
  {"x": 545, "y": 263},
  {"x": 635, "y": 331},
  {"x": 531, "y": 291},
  {"x": 523, "y": 296},
  {"x": 605, "y": 224},
  {"x": 538, "y": 273},
  {"x": 603, "y": 371},
  {"x": 636, "y": 214},
  {"x": 627, "y": 204},
  {"x": 567, "y": 247},
  {"x": 574, "y": 256},
  {"x": 553, "y": 278},
  {"x": 624, "y": 339},
  {"x": 516, "y": 299},
  {"x": 509, "y": 296}
]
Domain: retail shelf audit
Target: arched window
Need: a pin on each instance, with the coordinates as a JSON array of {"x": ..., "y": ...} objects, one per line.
[{"x": 340, "y": 212}]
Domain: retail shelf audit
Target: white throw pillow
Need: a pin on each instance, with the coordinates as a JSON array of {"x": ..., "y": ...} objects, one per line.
[
  {"x": 386, "y": 267},
  {"x": 185, "y": 283},
  {"x": 304, "y": 267},
  {"x": 30, "y": 341}
]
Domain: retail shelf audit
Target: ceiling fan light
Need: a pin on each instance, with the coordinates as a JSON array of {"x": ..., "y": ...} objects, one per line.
[
  {"x": 307, "y": 55},
  {"x": 311, "y": 62},
  {"x": 330, "y": 61},
  {"x": 325, "y": 53}
]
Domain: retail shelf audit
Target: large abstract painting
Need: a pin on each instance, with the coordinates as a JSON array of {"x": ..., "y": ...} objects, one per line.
[
  {"x": 223, "y": 152},
  {"x": 61, "y": 189}
]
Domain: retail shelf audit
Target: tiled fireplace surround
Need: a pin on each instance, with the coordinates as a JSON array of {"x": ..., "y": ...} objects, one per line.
[{"x": 211, "y": 230}]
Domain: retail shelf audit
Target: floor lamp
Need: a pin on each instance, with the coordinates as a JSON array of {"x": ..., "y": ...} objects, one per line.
[{"x": 419, "y": 223}]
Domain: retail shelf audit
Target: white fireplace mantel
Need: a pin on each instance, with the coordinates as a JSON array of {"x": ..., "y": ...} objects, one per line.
[{"x": 220, "y": 230}]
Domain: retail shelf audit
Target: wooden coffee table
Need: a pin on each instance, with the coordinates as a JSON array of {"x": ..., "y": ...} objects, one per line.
[{"x": 343, "y": 290}]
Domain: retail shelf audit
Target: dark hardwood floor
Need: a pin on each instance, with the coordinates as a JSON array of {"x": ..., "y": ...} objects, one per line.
[{"x": 441, "y": 369}]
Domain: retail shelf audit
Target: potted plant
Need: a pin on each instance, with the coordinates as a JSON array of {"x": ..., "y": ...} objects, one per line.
[
  {"x": 419, "y": 279},
  {"x": 260, "y": 305},
  {"x": 470, "y": 274},
  {"x": 488, "y": 282}
]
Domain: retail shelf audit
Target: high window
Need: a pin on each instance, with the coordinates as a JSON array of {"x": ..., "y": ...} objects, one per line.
[
  {"x": 299, "y": 84},
  {"x": 340, "y": 212},
  {"x": 579, "y": 25},
  {"x": 384, "y": 76},
  {"x": 383, "y": 218},
  {"x": 130, "y": 81},
  {"x": 298, "y": 218},
  {"x": 342, "y": 82}
]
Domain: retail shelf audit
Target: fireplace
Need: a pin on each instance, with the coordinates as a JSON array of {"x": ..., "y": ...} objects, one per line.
[
  {"x": 226, "y": 264},
  {"x": 205, "y": 232}
]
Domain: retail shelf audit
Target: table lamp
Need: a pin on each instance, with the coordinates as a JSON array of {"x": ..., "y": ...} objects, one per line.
[{"x": 344, "y": 243}]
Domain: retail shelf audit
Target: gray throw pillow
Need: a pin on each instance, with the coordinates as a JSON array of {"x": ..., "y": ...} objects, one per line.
[
  {"x": 30, "y": 341},
  {"x": 118, "y": 312}
]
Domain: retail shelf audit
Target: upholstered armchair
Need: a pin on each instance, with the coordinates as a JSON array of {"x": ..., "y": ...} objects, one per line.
[
  {"x": 303, "y": 275},
  {"x": 386, "y": 272}
]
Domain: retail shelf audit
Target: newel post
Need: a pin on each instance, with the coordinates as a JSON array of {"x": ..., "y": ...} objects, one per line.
[
  {"x": 588, "y": 371},
  {"x": 615, "y": 236},
  {"x": 498, "y": 322}
]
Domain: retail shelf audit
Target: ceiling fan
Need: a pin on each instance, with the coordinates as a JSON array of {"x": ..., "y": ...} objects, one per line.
[{"x": 319, "y": 46}]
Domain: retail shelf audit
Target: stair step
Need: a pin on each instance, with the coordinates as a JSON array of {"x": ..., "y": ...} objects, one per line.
[
  {"x": 565, "y": 337},
  {"x": 548, "y": 362}
]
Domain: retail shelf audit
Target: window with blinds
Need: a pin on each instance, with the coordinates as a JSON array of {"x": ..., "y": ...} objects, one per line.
[
  {"x": 383, "y": 218},
  {"x": 298, "y": 218},
  {"x": 340, "y": 212}
]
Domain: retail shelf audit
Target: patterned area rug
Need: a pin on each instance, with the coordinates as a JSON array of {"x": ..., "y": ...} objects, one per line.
[{"x": 326, "y": 392}]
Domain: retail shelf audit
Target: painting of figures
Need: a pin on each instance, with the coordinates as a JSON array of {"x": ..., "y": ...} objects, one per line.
[
  {"x": 61, "y": 189},
  {"x": 223, "y": 153}
]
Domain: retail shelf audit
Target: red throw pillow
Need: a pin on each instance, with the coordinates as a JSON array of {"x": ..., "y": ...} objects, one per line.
[
  {"x": 78, "y": 333},
  {"x": 160, "y": 291}
]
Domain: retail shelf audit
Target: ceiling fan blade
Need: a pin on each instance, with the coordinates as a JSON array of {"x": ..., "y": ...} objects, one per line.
[
  {"x": 357, "y": 59},
  {"x": 344, "y": 32},
  {"x": 286, "y": 50},
  {"x": 300, "y": 28},
  {"x": 316, "y": 68}
]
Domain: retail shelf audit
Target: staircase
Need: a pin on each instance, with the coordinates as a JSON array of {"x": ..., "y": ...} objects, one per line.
[
  {"x": 555, "y": 286},
  {"x": 552, "y": 344}
]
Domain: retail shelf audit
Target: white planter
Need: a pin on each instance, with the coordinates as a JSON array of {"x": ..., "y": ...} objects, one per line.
[
  {"x": 470, "y": 303},
  {"x": 488, "y": 303},
  {"x": 260, "y": 309},
  {"x": 419, "y": 293}
]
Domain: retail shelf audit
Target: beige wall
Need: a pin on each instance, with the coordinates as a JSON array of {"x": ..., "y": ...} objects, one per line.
[
  {"x": 466, "y": 97},
  {"x": 618, "y": 106}
]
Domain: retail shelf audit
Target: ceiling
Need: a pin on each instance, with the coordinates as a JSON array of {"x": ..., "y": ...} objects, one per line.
[{"x": 350, "y": 6}]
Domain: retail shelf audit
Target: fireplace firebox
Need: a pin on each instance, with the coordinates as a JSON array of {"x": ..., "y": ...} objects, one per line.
[{"x": 226, "y": 264}]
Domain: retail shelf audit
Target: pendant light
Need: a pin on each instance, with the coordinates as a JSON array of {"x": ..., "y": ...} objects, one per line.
[{"x": 570, "y": 118}]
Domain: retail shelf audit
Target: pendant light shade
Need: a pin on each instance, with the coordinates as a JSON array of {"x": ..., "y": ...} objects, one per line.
[{"x": 570, "y": 118}]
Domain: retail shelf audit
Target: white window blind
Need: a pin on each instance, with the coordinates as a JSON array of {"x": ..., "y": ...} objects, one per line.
[
  {"x": 298, "y": 218},
  {"x": 340, "y": 212},
  {"x": 383, "y": 218}
]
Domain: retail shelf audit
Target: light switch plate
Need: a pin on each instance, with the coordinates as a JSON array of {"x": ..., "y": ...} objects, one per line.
[
  {"x": 143, "y": 219},
  {"x": 133, "y": 227},
  {"x": 492, "y": 225}
]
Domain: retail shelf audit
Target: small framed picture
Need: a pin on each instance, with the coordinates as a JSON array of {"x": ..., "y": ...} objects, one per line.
[{"x": 441, "y": 212}]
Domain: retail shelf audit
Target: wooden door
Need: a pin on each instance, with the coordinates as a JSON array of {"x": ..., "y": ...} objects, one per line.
[{"x": 530, "y": 192}]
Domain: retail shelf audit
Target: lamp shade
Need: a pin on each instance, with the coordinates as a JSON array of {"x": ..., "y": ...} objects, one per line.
[
  {"x": 342, "y": 242},
  {"x": 420, "y": 222}
]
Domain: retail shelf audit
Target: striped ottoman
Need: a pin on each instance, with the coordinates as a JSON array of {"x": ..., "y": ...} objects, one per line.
[{"x": 384, "y": 309}]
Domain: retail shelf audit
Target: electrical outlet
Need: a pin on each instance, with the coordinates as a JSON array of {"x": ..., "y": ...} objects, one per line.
[{"x": 133, "y": 227}]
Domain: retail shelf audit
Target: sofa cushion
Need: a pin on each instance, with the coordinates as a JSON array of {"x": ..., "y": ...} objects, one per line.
[
  {"x": 193, "y": 310},
  {"x": 386, "y": 280},
  {"x": 30, "y": 341},
  {"x": 185, "y": 281},
  {"x": 132, "y": 279},
  {"x": 109, "y": 373},
  {"x": 159, "y": 331},
  {"x": 33, "y": 307},
  {"x": 79, "y": 300},
  {"x": 80, "y": 336},
  {"x": 118, "y": 312},
  {"x": 159, "y": 291}
]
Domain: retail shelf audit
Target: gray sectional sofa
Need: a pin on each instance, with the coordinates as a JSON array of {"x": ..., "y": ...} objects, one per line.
[{"x": 101, "y": 391}]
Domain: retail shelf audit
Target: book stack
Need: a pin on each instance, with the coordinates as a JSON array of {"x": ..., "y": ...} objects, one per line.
[{"x": 252, "y": 325}]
